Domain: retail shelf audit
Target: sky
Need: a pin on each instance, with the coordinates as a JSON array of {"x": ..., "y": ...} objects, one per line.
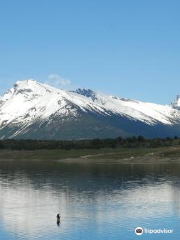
[{"x": 125, "y": 48}]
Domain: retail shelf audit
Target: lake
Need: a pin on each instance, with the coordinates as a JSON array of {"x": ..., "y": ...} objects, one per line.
[{"x": 98, "y": 201}]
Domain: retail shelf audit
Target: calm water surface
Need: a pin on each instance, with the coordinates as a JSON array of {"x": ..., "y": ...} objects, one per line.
[{"x": 96, "y": 201}]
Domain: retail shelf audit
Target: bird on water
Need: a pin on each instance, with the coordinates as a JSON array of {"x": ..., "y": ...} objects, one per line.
[{"x": 58, "y": 218}]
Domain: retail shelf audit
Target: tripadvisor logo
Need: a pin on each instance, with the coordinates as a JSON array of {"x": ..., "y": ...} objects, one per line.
[{"x": 139, "y": 231}]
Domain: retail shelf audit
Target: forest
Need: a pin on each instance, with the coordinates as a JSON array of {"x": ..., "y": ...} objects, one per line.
[{"x": 129, "y": 142}]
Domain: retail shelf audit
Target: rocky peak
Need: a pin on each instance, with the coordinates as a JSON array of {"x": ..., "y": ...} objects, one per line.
[
  {"x": 87, "y": 93},
  {"x": 176, "y": 103}
]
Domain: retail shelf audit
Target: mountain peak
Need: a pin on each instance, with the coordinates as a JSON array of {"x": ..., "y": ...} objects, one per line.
[
  {"x": 28, "y": 89},
  {"x": 87, "y": 93},
  {"x": 176, "y": 103},
  {"x": 32, "y": 85},
  {"x": 28, "y": 83}
]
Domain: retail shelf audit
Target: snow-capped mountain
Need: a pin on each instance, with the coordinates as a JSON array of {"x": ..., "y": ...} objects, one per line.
[
  {"x": 149, "y": 113},
  {"x": 34, "y": 110}
]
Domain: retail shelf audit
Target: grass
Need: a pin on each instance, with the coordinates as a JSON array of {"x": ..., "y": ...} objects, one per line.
[
  {"x": 127, "y": 153},
  {"x": 48, "y": 154},
  {"x": 107, "y": 153}
]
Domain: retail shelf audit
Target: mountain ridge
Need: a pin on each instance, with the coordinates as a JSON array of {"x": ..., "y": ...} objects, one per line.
[{"x": 36, "y": 110}]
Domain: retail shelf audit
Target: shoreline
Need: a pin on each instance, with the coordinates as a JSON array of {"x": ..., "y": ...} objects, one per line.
[
  {"x": 105, "y": 155},
  {"x": 147, "y": 159}
]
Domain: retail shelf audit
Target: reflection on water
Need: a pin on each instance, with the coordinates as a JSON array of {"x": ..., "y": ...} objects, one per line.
[{"x": 95, "y": 201}]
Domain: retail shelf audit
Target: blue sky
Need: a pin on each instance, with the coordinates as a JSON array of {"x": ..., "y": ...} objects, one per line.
[{"x": 126, "y": 48}]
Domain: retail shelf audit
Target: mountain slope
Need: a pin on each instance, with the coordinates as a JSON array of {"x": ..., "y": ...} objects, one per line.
[
  {"x": 149, "y": 113},
  {"x": 38, "y": 111}
]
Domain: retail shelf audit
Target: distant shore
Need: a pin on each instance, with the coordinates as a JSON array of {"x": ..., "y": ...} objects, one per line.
[{"x": 107, "y": 155}]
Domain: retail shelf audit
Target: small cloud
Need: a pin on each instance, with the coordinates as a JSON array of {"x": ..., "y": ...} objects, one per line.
[{"x": 57, "y": 81}]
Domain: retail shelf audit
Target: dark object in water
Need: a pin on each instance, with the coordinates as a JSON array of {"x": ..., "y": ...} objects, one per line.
[{"x": 58, "y": 219}]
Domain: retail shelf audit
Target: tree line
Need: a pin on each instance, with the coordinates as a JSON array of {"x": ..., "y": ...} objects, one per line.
[{"x": 129, "y": 142}]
